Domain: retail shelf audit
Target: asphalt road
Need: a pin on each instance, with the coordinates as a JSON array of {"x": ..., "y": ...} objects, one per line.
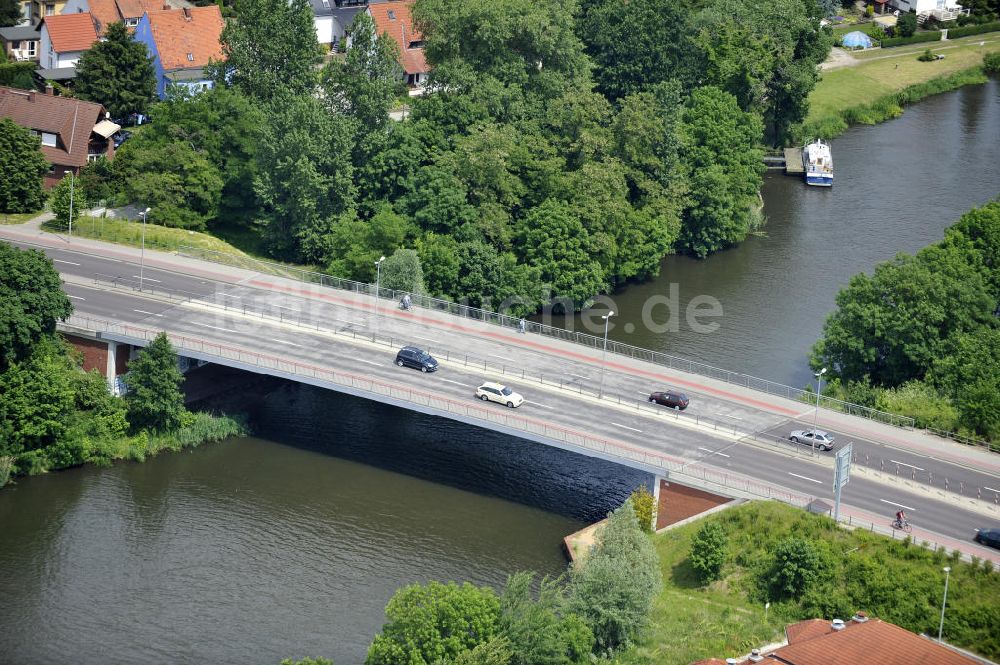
[{"x": 469, "y": 361}]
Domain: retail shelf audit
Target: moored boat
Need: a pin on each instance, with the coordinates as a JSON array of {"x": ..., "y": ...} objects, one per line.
[{"x": 817, "y": 161}]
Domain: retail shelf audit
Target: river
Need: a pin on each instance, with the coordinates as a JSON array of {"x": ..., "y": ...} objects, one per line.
[
  {"x": 254, "y": 550},
  {"x": 898, "y": 186}
]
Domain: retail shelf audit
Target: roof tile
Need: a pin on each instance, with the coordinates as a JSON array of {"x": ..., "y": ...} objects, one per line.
[
  {"x": 70, "y": 32},
  {"x": 180, "y": 33},
  {"x": 72, "y": 120},
  {"x": 394, "y": 19}
]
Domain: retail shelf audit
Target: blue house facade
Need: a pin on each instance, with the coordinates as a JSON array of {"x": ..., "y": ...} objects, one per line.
[{"x": 181, "y": 42}]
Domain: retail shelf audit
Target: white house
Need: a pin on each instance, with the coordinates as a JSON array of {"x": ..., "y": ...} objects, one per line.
[
  {"x": 333, "y": 18},
  {"x": 64, "y": 38},
  {"x": 942, "y": 9}
]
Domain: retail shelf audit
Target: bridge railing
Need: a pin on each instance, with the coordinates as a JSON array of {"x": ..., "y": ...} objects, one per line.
[{"x": 585, "y": 339}]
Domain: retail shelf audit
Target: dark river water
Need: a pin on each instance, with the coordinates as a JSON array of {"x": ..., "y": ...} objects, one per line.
[
  {"x": 898, "y": 186},
  {"x": 289, "y": 545}
]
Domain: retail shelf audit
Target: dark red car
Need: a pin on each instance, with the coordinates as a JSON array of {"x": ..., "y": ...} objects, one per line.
[{"x": 670, "y": 398}]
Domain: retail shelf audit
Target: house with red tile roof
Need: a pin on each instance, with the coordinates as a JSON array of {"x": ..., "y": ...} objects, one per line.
[
  {"x": 394, "y": 19},
  {"x": 859, "y": 641},
  {"x": 64, "y": 38},
  {"x": 73, "y": 132},
  {"x": 106, "y": 12},
  {"x": 182, "y": 43}
]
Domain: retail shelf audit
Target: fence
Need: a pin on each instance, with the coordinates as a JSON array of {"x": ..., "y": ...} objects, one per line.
[{"x": 591, "y": 341}]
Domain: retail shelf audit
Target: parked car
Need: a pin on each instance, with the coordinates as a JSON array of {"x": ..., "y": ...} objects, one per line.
[
  {"x": 988, "y": 537},
  {"x": 497, "y": 392},
  {"x": 821, "y": 439},
  {"x": 411, "y": 356},
  {"x": 674, "y": 400}
]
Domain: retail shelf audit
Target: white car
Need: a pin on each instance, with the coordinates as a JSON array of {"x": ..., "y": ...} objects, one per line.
[
  {"x": 819, "y": 438},
  {"x": 497, "y": 392}
]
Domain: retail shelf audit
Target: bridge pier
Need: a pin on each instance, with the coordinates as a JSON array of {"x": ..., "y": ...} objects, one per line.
[{"x": 106, "y": 356}]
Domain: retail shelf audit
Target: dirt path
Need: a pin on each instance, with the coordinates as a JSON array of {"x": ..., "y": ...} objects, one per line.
[{"x": 839, "y": 58}]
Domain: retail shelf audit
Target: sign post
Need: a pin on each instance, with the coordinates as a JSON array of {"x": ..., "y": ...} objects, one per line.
[{"x": 842, "y": 473}]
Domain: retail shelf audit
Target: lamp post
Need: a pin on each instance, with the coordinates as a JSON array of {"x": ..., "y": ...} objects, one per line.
[
  {"x": 72, "y": 182},
  {"x": 378, "y": 277},
  {"x": 604, "y": 354},
  {"x": 947, "y": 574},
  {"x": 819, "y": 391},
  {"x": 142, "y": 251}
]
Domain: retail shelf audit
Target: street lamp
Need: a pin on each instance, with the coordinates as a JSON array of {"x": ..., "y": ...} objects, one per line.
[
  {"x": 378, "y": 276},
  {"x": 72, "y": 181},
  {"x": 947, "y": 574},
  {"x": 604, "y": 354},
  {"x": 142, "y": 251},
  {"x": 819, "y": 391}
]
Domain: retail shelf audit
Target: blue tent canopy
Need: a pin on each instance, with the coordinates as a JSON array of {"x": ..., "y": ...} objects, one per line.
[{"x": 856, "y": 39}]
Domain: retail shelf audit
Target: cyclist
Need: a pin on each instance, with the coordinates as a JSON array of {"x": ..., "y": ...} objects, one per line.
[{"x": 900, "y": 518}]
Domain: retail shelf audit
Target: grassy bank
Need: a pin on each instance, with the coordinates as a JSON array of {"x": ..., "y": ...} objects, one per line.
[
  {"x": 124, "y": 232},
  {"x": 76, "y": 449},
  {"x": 18, "y": 217},
  {"x": 876, "y": 89},
  {"x": 896, "y": 581}
]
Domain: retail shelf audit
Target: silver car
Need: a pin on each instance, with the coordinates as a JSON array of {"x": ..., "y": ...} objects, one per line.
[{"x": 819, "y": 438}]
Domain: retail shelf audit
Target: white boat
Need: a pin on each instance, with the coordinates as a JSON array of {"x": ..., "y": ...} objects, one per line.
[{"x": 818, "y": 163}]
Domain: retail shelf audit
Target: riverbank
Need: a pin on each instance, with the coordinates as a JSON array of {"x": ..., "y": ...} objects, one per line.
[{"x": 876, "y": 86}]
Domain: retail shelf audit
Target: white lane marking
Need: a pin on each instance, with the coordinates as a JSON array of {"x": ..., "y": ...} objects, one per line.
[
  {"x": 491, "y": 355},
  {"x": 426, "y": 339},
  {"x": 66, "y": 262},
  {"x": 580, "y": 376},
  {"x": 147, "y": 279},
  {"x": 544, "y": 406},
  {"x": 812, "y": 480},
  {"x": 893, "y": 503},
  {"x": 905, "y": 464},
  {"x": 627, "y": 427},
  {"x": 205, "y": 325},
  {"x": 75, "y": 297},
  {"x": 457, "y": 383},
  {"x": 714, "y": 452},
  {"x": 142, "y": 311},
  {"x": 642, "y": 393},
  {"x": 722, "y": 415},
  {"x": 284, "y": 341},
  {"x": 370, "y": 362},
  {"x": 288, "y": 308},
  {"x": 991, "y": 489},
  {"x": 353, "y": 323}
]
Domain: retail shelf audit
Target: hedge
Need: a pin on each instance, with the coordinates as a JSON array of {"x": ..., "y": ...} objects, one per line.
[
  {"x": 929, "y": 36},
  {"x": 974, "y": 29},
  {"x": 18, "y": 74}
]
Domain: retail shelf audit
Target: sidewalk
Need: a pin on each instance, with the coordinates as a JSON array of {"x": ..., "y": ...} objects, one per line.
[{"x": 913, "y": 440}]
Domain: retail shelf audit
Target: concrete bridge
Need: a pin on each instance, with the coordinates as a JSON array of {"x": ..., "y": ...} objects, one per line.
[{"x": 733, "y": 438}]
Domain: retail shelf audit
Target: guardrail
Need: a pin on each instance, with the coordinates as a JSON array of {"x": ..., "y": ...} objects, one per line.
[{"x": 591, "y": 341}]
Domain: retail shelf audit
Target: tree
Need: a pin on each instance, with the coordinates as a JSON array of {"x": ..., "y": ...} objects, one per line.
[
  {"x": 553, "y": 239},
  {"x": 724, "y": 168},
  {"x": 22, "y": 167},
  {"x": 796, "y": 565},
  {"x": 614, "y": 586},
  {"x": 154, "y": 396},
  {"x": 907, "y": 24},
  {"x": 65, "y": 201},
  {"x": 10, "y": 13},
  {"x": 492, "y": 652},
  {"x": 270, "y": 50},
  {"x": 435, "y": 622},
  {"x": 644, "y": 504},
  {"x": 439, "y": 258},
  {"x": 117, "y": 72},
  {"x": 708, "y": 552},
  {"x": 401, "y": 271},
  {"x": 542, "y": 632},
  {"x": 365, "y": 84},
  {"x": 635, "y": 49},
  {"x": 31, "y": 301}
]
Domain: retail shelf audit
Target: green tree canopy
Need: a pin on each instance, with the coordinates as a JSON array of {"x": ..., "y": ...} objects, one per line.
[
  {"x": 154, "y": 396},
  {"x": 614, "y": 586},
  {"x": 708, "y": 552},
  {"x": 401, "y": 271},
  {"x": 270, "y": 49},
  {"x": 435, "y": 622},
  {"x": 22, "y": 167},
  {"x": 31, "y": 301},
  {"x": 117, "y": 72},
  {"x": 65, "y": 200},
  {"x": 10, "y": 13},
  {"x": 543, "y": 631}
]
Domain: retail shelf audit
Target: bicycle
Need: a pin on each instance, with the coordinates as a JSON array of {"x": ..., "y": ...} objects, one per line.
[{"x": 902, "y": 526}]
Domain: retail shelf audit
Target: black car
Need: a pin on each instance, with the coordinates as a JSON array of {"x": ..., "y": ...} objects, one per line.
[
  {"x": 411, "y": 356},
  {"x": 988, "y": 537},
  {"x": 670, "y": 398}
]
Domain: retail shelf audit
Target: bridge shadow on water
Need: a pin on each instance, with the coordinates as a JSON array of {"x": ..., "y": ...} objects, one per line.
[{"x": 431, "y": 448}]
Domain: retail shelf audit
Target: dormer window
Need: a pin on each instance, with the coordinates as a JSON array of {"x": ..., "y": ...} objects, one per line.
[
  {"x": 392, "y": 15},
  {"x": 49, "y": 139},
  {"x": 131, "y": 22},
  {"x": 190, "y": 57},
  {"x": 326, "y": 4}
]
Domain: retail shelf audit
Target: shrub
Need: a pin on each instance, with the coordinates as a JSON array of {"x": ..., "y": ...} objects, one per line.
[
  {"x": 870, "y": 11},
  {"x": 918, "y": 38},
  {"x": 991, "y": 63},
  {"x": 642, "y": 502},
  {"x": 796, "y": 566},
  {"x": 926, "y": 56},
  {"x": 955, "y": 33},
  {"x": 708, "y": 552},
  {"x": 907, "y": 24}
]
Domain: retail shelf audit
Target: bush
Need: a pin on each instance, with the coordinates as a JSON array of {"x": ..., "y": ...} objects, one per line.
[
  {"x": 955, "y": 33},
  {"x": 643, "y": 503},
  {"x": 907, "y": 25},
  {"x": 796, "y": 566},
  {"x": 991, "y": 63},
  {"x": 918, "y": 38},
  {"x": 708, "y": 552},
  {"x": 927, "y": 56},
  {"x": 923, "y": 403}
]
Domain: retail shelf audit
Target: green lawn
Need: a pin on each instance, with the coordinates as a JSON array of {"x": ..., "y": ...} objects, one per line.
[
  {"x": 892, "y": 580},
  {"x": 18, "y": 217},
  {"x": 125, "y": 232},
  {"x": 884, "y": 72}
]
